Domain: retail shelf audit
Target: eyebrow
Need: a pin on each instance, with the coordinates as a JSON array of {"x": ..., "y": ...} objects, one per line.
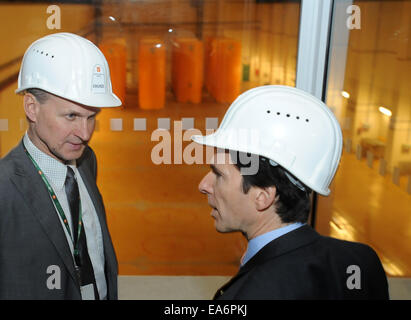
[
  {"x": 82, "y": 115},
  {"x": 215, "y": 170}
]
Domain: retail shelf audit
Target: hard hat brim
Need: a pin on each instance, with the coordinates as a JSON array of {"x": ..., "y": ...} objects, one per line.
[{"x": 105, "y": 101}]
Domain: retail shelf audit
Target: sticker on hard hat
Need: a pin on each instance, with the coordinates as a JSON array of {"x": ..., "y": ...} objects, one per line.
[{"x": 98, "y": 82}]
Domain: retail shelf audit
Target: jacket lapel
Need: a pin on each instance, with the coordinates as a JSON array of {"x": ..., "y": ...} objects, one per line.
[
  {"x": 286, "y": 243},
  {"x": 32, "y": 188}
]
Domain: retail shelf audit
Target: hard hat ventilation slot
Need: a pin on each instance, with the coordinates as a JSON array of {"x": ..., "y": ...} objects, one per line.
[
  {"x": 289, "y": 115},
  {"x": 42, "y": 52}
]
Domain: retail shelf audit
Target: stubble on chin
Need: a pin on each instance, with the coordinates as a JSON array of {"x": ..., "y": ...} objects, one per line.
[{"x": 65, "y": 159}]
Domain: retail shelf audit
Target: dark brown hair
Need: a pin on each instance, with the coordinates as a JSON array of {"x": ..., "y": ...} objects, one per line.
[{"x": 293, "y": 204}]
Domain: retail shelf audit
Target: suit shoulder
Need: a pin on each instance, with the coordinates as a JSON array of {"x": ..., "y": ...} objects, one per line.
[
  {"x": 88, "y": 161},
  {"x": 351, "y": 253},
  {"x": 354, "y": 248},
  {"x": 88, "y": 157},
  {"x": 7, "y": 165},
  {"x": 88, "y": 154}
]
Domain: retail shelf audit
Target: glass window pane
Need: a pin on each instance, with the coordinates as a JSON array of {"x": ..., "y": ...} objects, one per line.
[
  {"x": 368, "y": 90},
  {"x": 176, "y": 65}
]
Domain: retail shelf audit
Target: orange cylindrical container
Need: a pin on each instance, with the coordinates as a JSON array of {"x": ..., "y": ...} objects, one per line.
[
  {"x": 115, "y": 52},
  {"x": 210, "y": 63},
  {"x": 223, "y": 68},
  {"x": 187, "y": 69},
  {"x": 228, "y": 70},
  {"x": 151, "y": 73}
]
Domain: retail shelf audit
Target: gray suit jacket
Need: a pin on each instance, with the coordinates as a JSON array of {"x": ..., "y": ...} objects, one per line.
[{"x": 31, "y": 235}]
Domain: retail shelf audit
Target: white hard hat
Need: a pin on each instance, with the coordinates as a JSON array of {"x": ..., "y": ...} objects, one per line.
[
  {"x": 70, "y": 67},
  {"x": 286, "y": 125}
]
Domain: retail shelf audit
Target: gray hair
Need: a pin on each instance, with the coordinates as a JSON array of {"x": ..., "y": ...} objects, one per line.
[{"x": 39, "y": 94}]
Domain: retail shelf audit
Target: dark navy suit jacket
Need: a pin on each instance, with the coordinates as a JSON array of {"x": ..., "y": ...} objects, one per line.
[{"x": 305, "y": 265}]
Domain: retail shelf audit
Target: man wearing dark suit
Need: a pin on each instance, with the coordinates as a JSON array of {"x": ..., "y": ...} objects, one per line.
[
  {"x": 54, "y": 239},
  {"x": 280, "y": 143}
]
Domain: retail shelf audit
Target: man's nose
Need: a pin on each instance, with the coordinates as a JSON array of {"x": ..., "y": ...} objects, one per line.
[
  {"x": 205, "y": 185},
  {"x": 84, "y": 129}
]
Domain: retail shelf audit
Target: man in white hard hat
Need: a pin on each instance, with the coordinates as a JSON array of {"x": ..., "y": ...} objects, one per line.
[
  {"x": 293, "y": 147},
  {"x": 55, "y": 243}
]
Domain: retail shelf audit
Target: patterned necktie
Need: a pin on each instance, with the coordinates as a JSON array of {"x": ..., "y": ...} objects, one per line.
[{"x": 82, "y": 258}]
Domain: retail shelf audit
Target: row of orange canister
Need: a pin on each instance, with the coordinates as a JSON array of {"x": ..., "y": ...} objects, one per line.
[{"x": 215, "y": 63}]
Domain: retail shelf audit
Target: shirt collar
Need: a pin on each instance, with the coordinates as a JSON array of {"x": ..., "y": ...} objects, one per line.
[
  {"x": 257, "y": 243},
  {"x": 54, "y": 170}
]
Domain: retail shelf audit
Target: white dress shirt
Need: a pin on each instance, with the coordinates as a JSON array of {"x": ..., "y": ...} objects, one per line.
[{"x": 55, "y": 172}]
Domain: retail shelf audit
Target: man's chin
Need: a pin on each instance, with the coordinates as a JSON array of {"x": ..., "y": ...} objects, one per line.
[
  {"x": 221, "y": 229},
  {"x": 69, "y": 156},
  {"x": 75, "y": 155}
]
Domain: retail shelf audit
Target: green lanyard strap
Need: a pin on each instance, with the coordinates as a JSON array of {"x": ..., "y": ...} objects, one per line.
[{"x": 58, "y": 205}]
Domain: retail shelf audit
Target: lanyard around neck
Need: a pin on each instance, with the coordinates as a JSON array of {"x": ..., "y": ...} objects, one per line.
[{"x": 58, "y": 205}]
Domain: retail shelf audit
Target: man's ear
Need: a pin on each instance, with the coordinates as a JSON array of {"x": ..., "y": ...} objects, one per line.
[
  {"x": 265, "y": 197},
  {"x": 31, "y": 106}
]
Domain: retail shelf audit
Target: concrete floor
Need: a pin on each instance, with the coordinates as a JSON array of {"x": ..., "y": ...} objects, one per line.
[{"x": 204, "y": 287}]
